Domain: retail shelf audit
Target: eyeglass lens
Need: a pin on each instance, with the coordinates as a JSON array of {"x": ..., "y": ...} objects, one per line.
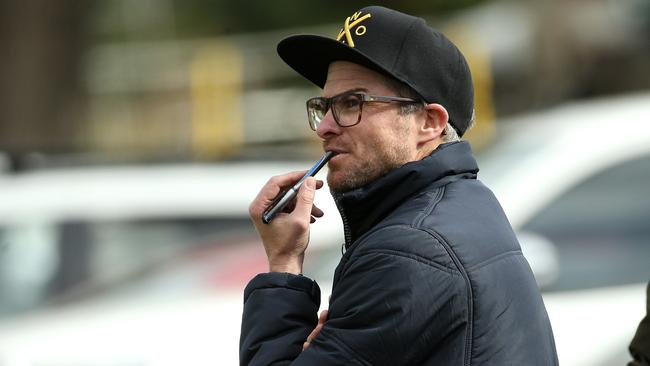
[{"x": 345, "y": 109}]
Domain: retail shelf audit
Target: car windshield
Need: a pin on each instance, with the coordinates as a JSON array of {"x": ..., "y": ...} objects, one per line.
[
  {"x": 592, "y": 230},
  {"x": 599, "y": 228}
]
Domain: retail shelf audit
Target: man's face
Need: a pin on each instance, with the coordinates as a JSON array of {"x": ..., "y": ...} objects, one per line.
[{"x": 382, "y": 141}]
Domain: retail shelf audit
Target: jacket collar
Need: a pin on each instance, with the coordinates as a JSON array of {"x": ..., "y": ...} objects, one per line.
[{"x": 364, "y": 207}]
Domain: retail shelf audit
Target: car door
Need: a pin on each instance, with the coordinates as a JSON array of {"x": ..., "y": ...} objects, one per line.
[{"x": 600, "y": 234}]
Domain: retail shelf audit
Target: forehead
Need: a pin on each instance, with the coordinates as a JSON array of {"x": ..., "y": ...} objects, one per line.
[{"x": 343, "y": 76}]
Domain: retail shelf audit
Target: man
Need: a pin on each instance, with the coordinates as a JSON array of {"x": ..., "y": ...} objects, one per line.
[
  {"x": 433, "y": 273},
  {"x": 640, "y": 346}
]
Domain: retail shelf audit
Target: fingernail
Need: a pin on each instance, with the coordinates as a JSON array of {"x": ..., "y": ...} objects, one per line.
[{"x": 311, "y": 183}]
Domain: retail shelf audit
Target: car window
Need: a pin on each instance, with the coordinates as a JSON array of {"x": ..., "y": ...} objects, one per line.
[
  {"x": 44, "y": 262},
  {"x": 601, "y": 228}
]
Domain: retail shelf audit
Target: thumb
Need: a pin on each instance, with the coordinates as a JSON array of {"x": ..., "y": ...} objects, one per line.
[{"x": 305, "y": 199}]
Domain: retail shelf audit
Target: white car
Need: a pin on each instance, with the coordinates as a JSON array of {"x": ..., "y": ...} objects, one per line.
[
  {"x": 575, "y": 184},
  {"x": 132, "y": 265},
  {"x": 174, "y": 247}
]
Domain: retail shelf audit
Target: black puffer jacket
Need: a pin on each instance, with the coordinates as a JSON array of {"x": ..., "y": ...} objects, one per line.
[{"x": 433, "y": 275}]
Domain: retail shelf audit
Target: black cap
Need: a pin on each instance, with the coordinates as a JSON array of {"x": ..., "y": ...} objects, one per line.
[{"x": 393, "y": 43}]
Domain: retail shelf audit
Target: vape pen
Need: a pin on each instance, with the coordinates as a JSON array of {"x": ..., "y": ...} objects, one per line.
[{"x": 285, "y": 197}]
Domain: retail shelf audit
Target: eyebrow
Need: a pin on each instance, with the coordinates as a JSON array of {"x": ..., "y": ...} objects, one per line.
[{"x": 353, "y": 90}]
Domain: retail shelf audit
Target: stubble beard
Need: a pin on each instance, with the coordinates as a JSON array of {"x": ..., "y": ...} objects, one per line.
[{"x": 361, "y": 172}]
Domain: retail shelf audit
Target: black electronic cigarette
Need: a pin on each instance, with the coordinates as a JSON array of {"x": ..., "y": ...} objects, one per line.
[{"x": 285, "y": 197}]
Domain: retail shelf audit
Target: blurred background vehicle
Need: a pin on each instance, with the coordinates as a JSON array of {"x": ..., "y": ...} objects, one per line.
[
  {"x": 133, "y": 135},
  {"x": 132, "y": 265},
  {"x": 574, "y": 182}
]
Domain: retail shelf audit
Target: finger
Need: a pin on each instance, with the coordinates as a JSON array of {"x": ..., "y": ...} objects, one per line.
[
  {"x": 278, "y": 183},
  {"x": 321, "y": 322},
  {"x": 314, "y": 333},
  {"x": 290, "y": 206},
  {"x": 271, "y": 190},
  {"x": 305, "y": 198},
  {"x": 323, "y": 316},
  {"x": 317, "y": 328},
  {"x": 317, "y": 212}
]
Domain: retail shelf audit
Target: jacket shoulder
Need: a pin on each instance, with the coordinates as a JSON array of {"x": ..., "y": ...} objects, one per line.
[{"x": 406, "y": 241}]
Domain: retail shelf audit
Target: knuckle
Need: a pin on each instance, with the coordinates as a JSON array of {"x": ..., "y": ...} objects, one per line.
[
  {"x": 301, "y": 225},
  {"x": 274, "y": 180},
  {"x": 252, "y": 211}
]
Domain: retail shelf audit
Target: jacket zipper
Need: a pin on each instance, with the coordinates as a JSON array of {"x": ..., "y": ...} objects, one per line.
[{"x": 346, "y": 228}]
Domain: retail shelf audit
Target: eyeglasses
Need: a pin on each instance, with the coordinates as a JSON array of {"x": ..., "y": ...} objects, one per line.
[{"x": 346, "y": 107}]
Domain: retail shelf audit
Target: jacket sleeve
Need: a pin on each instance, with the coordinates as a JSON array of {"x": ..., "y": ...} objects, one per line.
[
  {"x": 388, "y": 307},
  {"x": 280, "y": 310}
]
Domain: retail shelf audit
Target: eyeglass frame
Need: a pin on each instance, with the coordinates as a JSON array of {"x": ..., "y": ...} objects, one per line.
[{"x": 363, "y": 98}]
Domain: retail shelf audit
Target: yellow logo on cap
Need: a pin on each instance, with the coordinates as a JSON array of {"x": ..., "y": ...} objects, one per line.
[{"x": 347, "y": 27}]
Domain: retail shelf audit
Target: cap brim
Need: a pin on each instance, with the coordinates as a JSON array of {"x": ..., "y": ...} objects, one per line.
[{"x": 311, "y": 55}]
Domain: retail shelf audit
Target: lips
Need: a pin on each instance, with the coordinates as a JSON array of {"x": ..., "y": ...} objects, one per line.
[
  {"x": 336, "y": 159},
  {"x": 337, "y": 150},
  {"x": 340, "y": 153}
]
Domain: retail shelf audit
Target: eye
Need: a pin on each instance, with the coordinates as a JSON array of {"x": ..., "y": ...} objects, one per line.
[
  {"x": 347, "y": 102},
  {"x": 317, "y": 105}
]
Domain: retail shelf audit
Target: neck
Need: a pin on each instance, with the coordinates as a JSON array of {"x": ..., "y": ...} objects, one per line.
[
  {"x": 364, "y": 207},
  {"x": 425, "y": 149}
]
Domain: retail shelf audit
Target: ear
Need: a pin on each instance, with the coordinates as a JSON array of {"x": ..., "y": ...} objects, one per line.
[{"x": 436, "y": 118}]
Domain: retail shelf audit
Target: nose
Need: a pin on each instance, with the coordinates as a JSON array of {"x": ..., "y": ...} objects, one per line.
[{"x": 328, "y": 127}]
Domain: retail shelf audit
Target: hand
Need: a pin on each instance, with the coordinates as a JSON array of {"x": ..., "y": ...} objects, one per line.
[
  {"x": 314, "y": 333},
  {"x": 286, "y": 237}
]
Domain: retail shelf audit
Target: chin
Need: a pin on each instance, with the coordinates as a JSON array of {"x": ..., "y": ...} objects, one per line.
[
  {"x": 337, "y": 182},
  {"x": 333, "y": 181},
  {"x": 345, "y": 180}
]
